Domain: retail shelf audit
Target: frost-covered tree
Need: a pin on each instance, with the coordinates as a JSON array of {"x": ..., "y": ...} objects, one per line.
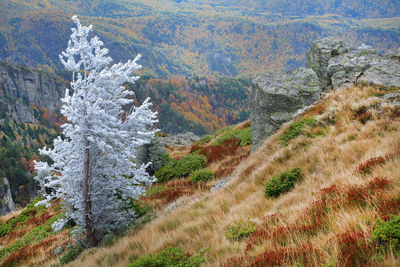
[{"x": 94, "y": 170}]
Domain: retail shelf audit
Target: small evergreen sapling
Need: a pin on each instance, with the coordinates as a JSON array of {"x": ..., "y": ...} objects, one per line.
[{"x": 94, "y": 170}]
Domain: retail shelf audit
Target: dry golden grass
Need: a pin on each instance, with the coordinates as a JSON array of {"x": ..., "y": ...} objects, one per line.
[{"x": 326, "y": 160}]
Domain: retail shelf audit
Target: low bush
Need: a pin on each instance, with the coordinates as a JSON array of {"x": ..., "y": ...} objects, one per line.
[
  {"x": 387, "y": 233},
  {"x": 243, "y": 135},
  {"x": 169, "y": 257},
  {"x": 240, "y": 230},
  {"x": 71, "y": 254},
  {"x": 167, "y": 172},
  {"x": 180, "y": 168},
  {"x": 295, "y": 129},
  {"x": 201, "y": 175},
  {"x": 282, "y": 182},
  {"x": 204, "y": 140}
]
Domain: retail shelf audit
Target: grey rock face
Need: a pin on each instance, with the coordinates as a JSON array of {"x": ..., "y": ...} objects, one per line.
[
  {"x": 220, "y": 184},
  {"x": 317, "y": 58},
  {"x": 153, "y": 152},
  {"x": 337, "y": 65},
  {"x": 273, "y": 99},
  {"x": 58, "y": 250},
  {"x": 19, "y": 87},
  {"x": 6, "y": 202},
  {"x": 184, "y": 139}
]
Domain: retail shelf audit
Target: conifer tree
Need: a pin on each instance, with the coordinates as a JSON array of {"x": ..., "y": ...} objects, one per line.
[{"x": 94, "y": 170}]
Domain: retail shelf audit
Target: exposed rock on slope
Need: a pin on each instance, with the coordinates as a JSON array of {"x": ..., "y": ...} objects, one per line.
[
  {"x": 320, "y": 53},
  {"x": 6, "y": 201},
  {"x": 273, "y": 99},
  {"x": 19, "y": 87},
  {"x": 337, "y": 65},
  {"x": 183, "y": 139}
]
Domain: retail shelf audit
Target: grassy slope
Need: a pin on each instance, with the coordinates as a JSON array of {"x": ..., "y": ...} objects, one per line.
[{"x": 292, "y": 226}]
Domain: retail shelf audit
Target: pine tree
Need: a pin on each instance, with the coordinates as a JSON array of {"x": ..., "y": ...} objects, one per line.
[{"x": 94, "y": 170}]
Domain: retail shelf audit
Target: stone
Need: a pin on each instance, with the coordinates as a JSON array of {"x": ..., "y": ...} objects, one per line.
[
  {"x": 183, "y": 139},
  {"x": 220, "y": 184},
  {"x": 58, "y": 251},
  {"x": 274, "y": 99}
]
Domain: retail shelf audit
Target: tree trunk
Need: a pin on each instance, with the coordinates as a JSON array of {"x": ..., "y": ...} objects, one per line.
[{"x": 90, "y": 235}]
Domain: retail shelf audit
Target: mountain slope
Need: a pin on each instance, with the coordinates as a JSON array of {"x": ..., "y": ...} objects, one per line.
[
  {"x": 350, "y": 160},
  {"x": 191, "y": 37}
]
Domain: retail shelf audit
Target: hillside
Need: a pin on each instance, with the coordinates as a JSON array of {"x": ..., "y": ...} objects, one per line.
[
  {"x": 240, "y": 38},
  {"x": 349, "y": 160},
  {"x": 347, "y": 148}
]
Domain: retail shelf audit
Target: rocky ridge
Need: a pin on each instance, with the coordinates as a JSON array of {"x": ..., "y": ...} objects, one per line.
[{"x": 331, "y": 64}]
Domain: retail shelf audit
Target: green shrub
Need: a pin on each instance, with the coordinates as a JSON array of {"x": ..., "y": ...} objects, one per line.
[
  {"x": 167, "y": 172},
  {"x": 180, "y": 168},
  {"x": 282, "y": 182},
  {"x": 387, "y": 234},
  {"x": 295, "y": 129},
  {"x": 243, "y": 135},
  {"x": 204, "y": 140},
  {"x": 189, "y": 163},
  {"x": 240, "y": 230},
  {"x": 201, "y": 175},
  {"x": 169, "y": 257},
  {"x": 71, "y": 254}
]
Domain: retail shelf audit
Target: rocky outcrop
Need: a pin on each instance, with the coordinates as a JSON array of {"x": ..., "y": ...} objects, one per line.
[
  {"x": 337, "y": 65},
  {"x": 273, "y": 99},
  {"x": 6, "y": 202},
  {"x": 20, "y": 87},
  {"x": 183, "y": 139},
  {"x": 317, "y": 58}
]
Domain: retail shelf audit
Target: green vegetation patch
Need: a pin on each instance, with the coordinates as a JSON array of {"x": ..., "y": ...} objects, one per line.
[
  {"x": 33, "y": 236},
  {"x": 204, "y": 140},
  {"x": 201, "y": 175},
  {"x": 71, "y": 254},
  {"x": 240, "y": 230},
  {"x": 282, "y": 182},
  {"x": 387, "y": 233},
  {"x": 295, "y": 129},
  {"x": 180, "y": 168},
  {"x": 243, "y": 135},
  {"x": 169, "y": 257},
  {"x": 155, "y": 189},
  {"x": 23, "y": 217}
]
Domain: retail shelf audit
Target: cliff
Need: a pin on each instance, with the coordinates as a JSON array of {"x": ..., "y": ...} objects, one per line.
[{"x": 21, "y": 87}]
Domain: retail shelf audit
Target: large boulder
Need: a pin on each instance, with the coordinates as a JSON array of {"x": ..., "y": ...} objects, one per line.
[
  {"x": 274, "y": 99},
  {"x": 319, "y": 55}
]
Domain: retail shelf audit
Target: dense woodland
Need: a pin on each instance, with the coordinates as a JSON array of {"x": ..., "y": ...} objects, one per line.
[{"x": 239, "y": 38}]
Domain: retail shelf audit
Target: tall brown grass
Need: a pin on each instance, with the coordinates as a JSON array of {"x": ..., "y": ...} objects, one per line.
[{"x": 326, "y": 218}]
